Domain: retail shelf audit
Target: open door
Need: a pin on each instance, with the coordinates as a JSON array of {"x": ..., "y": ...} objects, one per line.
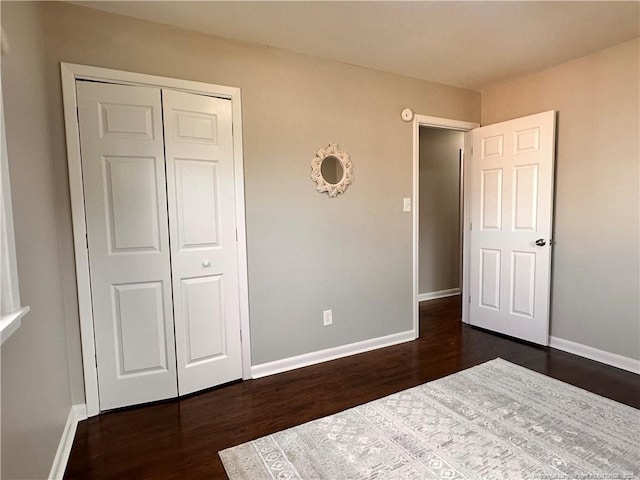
[{"x": 511, "y": 216}]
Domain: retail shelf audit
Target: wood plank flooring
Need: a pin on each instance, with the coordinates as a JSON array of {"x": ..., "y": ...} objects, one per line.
[{"x": 179, "y": 439}]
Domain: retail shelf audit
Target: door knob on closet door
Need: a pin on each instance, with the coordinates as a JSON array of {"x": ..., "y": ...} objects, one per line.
[
  {"x": 206, "y": 263},
  {"x": 541, "y": 242}
]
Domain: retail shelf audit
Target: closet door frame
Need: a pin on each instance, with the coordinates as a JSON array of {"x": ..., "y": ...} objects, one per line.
[{"x": 70, "y": 73}]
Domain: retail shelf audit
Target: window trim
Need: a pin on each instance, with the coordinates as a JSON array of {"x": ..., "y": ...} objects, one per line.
[{"x": 10, "y": 308}]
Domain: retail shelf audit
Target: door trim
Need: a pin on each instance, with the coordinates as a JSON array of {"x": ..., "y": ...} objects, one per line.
[
  {"x": 69, "y": 74},
  {"x": 436, "y": 122}
]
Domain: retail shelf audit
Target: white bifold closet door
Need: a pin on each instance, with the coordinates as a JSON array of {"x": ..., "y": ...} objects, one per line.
[
  {"x": 204, "y": 261},
  {"x": 161, "y": 240}
]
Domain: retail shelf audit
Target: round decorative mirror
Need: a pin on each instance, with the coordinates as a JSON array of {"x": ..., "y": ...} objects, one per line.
[{"x": 332, "y": 170}]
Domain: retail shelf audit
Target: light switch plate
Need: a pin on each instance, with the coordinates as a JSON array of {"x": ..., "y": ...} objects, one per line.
[{"x": 407, "y": 204}]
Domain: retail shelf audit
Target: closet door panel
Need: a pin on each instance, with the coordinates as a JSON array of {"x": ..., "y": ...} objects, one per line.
[
  {"x": 132, "y": 204},
  {"x": 198, "y": 216},
  {"x": 200, "y": 186},
  {"x": 202, "y": 301},
  {"x": 124, "y": 182},
  {"x": 140, "y": 336}
]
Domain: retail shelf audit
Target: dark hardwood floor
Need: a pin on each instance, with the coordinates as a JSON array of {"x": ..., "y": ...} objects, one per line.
[{"x": 180, "y": 439}]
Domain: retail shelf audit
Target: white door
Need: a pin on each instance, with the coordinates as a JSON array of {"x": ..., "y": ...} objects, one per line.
[
  {"x": 200, "y": 186},
  {"x": 511, "y": 225},
  {"x": 123, "y": 169}
]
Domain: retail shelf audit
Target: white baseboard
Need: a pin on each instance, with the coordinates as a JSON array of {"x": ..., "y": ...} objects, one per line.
[
  {"x": 608, "y": 358},
  {"x": 76, "y": 414},
  {"x": 286, "y": 364},
  {"x": 439, "y": 294}
]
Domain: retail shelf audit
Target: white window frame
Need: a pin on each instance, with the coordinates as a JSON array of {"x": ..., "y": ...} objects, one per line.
[
  {"x": 10, "y": 307},
  {"x": 70, "y": 73}
]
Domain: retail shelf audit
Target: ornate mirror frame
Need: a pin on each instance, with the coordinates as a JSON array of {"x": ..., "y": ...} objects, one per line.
[{"x": 332, "y": 189}]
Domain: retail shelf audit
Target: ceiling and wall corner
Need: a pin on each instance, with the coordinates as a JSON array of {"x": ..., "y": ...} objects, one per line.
[{"x": 468, "y": 44}]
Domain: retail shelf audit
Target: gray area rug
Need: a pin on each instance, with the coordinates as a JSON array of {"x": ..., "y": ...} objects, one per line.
[{"x": 493, "y": 421}]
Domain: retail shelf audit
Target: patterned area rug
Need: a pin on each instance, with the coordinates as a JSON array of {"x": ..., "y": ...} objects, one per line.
[{"x": 493, "y": 421}]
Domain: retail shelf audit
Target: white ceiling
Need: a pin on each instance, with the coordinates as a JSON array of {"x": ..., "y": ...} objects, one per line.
[{"x": 466, "y": 44}]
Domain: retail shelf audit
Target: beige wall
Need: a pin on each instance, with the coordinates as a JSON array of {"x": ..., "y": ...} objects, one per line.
[
  {"x": 596, "y": 257},
  {"x": 36, "y": 395},
  {"x": 439, "y": 231},
  {"x": 307, "y": 253}
]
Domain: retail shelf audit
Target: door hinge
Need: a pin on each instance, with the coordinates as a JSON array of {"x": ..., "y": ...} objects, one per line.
[
  {"x": 470, "y": 226},
  {"x": 469, "y": 298}
]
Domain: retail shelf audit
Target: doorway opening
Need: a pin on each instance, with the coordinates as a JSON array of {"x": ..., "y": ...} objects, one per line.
[
  {"x": 440, "y": 213},
  {"x": 439, "y": 216}
]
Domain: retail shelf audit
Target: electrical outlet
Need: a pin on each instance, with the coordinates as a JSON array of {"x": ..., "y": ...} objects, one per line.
[{"x": 327, "y": 317}]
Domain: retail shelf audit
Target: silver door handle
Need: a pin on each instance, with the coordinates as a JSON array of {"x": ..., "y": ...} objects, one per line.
[
  {"x": 206, "y": 263},
  {"x": 541, "y": 242}
]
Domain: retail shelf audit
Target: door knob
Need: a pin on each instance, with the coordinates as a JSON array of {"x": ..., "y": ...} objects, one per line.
[
  {"x": 206, "y": 263},
  {"x": 541, "y": 242}
]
